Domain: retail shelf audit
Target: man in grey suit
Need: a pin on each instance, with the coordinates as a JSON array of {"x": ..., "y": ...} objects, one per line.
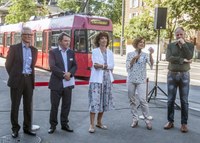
[
  {"x": 63, "y": 66},
  {"x": 20, "y": 63}
]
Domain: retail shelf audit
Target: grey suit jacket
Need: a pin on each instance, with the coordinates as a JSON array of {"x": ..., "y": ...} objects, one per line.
[
  {"x": 57, "y": 68},
  {"x": 14, "y": 65}
]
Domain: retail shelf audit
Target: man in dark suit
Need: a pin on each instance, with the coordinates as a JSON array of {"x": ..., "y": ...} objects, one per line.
[
  {"x": 63, "y": 67},
  {"x": 20, "y": 64}
]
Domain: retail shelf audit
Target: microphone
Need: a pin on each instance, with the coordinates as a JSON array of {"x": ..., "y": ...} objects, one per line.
[
  {"x": 179, "y": 43},
  {"x": 139, "y": 51}
]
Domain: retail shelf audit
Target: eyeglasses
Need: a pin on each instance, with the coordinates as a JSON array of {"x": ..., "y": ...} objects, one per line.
[{"x": 26, "y": 34}]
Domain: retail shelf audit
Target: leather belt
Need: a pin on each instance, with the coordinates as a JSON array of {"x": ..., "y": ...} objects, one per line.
[
  {"x": 27, "y": 75},
  {"x": 178, "y": 72}
]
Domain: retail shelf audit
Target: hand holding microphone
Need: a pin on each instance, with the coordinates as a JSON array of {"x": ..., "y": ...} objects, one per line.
[
  {"x": 138, "y": 56},
  {"x": 181, "y": 41}
]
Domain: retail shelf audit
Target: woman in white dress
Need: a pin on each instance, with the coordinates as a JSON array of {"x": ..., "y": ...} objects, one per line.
[{"x": 100, "y": 88}]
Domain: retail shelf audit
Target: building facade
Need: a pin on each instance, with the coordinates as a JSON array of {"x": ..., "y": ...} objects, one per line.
[{"x": 132, "y": 8}]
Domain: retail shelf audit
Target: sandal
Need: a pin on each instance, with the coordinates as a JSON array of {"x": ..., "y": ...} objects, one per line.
[
  {"x": 104, "y": 127},
  {"x": 91, "y": 130}
]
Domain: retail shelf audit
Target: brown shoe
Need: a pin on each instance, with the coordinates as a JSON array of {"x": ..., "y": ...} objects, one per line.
[
  {"x": 149, "y": 126},
  {"x": 134, "y": 124},
  {"x": 184, "y": 128},
  {"x": 169, "y": 125}
]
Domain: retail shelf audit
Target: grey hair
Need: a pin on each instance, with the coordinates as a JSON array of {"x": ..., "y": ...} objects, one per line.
[
  {"x": 179, "y": 28},
  {"x": 25, "y": 29}
]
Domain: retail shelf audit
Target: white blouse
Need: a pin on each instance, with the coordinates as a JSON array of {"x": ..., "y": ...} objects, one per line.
[
  {"x": 137, "y": 72},
  {"x": 97, "y": 57}
]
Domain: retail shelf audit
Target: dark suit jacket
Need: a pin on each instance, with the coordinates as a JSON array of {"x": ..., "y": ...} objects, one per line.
[
  {"x": 14, "y": 65},
  {"x": 57, "y": 68}
]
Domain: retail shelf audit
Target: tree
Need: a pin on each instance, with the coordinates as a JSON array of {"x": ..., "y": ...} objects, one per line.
[
  {"x": 191, "y": 17},
  {"x": 70, "y": 5},
  {"x": 180, "y": 13},
  {"x": 22, "y": 10},
  {"x": 111, "y": 9},
  {"x": 107, "y": 8},
  {"x": 142, "y": 26}
]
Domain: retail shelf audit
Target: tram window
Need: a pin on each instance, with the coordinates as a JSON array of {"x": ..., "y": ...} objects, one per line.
[
  {"x": 91, "y": 37},
  {"x": 38, "y": 40},
  {"x": 8, "y": 40},
  {"x": 53, "y": 37},
  {"x": 17, "y": 38},
  {"x": 80, "y": 41},
  {"x": 1, "y": 39}
]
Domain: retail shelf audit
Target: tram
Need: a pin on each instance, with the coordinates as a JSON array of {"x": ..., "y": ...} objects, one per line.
[{"x": 81, "y": 28}]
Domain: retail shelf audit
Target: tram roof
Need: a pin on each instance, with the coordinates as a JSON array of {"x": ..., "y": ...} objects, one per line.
[
  {"x": 58, "y": 22},
  {"x": 11, "y": 27},
  {"x": 48, "y": 23}
]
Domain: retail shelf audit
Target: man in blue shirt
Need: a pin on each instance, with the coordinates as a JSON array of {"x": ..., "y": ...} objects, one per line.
[{"x": 20, "y": 63}]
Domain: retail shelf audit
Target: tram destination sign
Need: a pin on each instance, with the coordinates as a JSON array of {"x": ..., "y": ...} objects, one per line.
[{"x": 99, "y": 22}]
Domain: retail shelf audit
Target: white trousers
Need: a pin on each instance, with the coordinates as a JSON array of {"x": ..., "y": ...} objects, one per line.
[{"x": 138, "y": 97}]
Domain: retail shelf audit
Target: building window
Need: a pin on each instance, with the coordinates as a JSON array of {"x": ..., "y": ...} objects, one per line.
[
  {"x": 130, "y": 15},
  {"x": 134, "y": 3}
]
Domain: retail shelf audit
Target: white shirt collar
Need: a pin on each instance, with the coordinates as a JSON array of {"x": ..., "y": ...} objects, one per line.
[{"x": 60, "y": 49}]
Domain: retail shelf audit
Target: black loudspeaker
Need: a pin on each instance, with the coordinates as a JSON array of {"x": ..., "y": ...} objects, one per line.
[{"x": 160, "y": 18}]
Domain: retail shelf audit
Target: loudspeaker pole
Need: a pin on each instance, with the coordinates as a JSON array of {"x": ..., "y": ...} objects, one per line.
[
  {"x": 156, "y": 82},
  {"x": 156, "y": 87}
]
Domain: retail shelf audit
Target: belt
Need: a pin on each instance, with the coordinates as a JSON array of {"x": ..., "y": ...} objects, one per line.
[
  {"x": 178, "y": 72},
  {"x": 26, "y": 75}
]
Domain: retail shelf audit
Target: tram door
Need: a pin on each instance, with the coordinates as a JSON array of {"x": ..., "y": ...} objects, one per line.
[
  {"x": 80, "y": 48},
  {"x": 7, "y": 43},
  {"x": 38, "y": 45},
  {"x": 1, "y": 44},
  {"x": 45, "y": 50}
]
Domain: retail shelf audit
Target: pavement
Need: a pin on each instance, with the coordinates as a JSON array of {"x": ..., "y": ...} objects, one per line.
[{"x": 118, "y": 120}]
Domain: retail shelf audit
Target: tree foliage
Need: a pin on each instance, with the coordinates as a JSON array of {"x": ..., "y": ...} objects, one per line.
[
  {"x": 180, "y": 13},
  {"x": 22, "y": 10},
  {"x": 142, "y": 26},
  {"x": 70, "y": 5},
  {"x": 107, "y": 8}
]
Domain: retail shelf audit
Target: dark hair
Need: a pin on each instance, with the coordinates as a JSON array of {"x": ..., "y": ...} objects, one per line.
[
  {"x": 136, "y": 41},
  {"x": 61, "y": 35},
  {"x": 99, "y": 36}
]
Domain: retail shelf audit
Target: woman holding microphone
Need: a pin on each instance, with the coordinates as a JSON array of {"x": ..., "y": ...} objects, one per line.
[{"x": 136, "y": 80}]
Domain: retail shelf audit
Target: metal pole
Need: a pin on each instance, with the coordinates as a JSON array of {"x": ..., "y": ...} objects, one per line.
[
  {"x": 156, "y": 82},
  {"x": 122, "y": 34},
  {"x": 87, "y": 6}
]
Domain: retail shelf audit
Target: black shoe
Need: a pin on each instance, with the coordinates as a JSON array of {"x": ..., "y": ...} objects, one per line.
[
  {"x": 29, "y": 132},
  {"x": 51, "y": 130},
  {"x": 14, "y": 134},
  {"x": 67, "y": 128}
]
